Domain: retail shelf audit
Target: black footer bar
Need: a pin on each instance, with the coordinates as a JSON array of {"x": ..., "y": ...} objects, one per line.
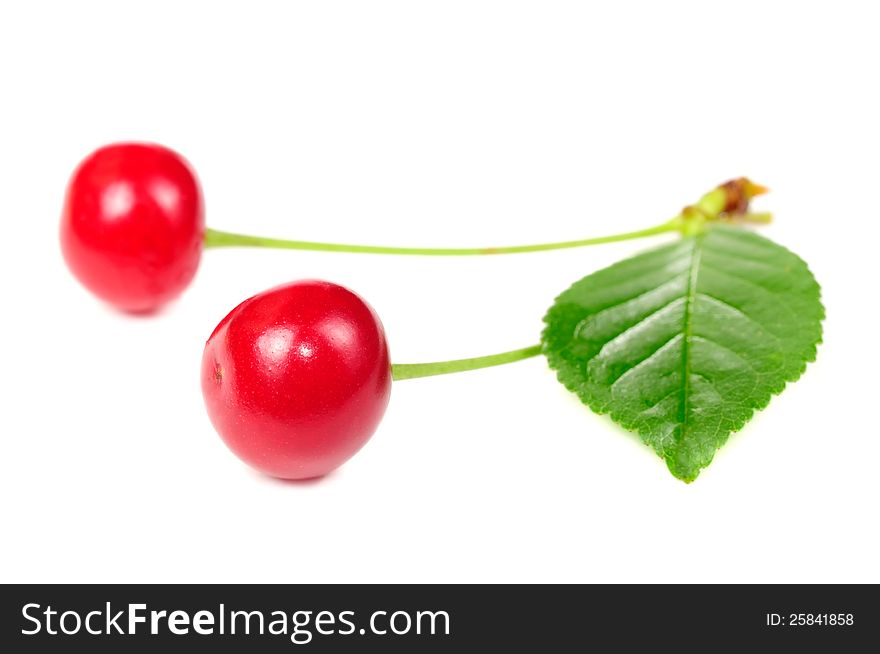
[{"x": 429, "y": 618}]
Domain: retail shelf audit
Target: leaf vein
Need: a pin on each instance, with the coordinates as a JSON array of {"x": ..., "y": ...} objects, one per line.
[
  {"x": 736, "y": 310},
  {"x": 654, "y": 404},
  {"x": 646, "y": 360},
  {"x": 737, "y": 252},
  {"x": 750, "y": 282},
  {"x": 640, "y": 294},
  {"x": 779, "y": 298},
  {"x": 740, "y": 357},
  {"x": 638, "y": 323}
]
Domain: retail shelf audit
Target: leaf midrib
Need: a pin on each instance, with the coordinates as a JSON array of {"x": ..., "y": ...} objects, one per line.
[{"x": 687, "y": 331}]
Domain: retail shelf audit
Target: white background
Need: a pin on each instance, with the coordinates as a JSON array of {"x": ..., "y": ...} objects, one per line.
[{"x": 441, "y": 123}]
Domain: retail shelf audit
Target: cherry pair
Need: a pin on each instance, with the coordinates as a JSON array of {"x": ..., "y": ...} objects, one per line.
[{"x": 295, "y": 379}]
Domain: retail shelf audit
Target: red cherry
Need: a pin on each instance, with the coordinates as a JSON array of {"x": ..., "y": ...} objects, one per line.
[
  {"x": 133, "y": 225},
  {"x": 296, "y": 379}
]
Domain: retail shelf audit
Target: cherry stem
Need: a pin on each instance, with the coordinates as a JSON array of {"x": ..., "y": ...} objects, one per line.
[
  {"x": 401, "y": 371},
  {"x": 727, "y": 201},
  {"x": 215, "y": 238}
]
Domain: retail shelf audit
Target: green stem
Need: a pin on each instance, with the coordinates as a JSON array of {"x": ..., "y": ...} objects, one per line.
[
  {"x": 215, "y": 238},
  {"x": 413, "y": 370}
]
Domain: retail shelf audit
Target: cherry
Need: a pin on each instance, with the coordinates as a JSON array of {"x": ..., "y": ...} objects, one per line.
[
  {"x": 133, "y": 226},
  {"x": 297, "y": 378}
]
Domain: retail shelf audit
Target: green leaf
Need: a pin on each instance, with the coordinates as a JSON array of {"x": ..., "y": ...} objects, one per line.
[{"x": 683, "y": 343}]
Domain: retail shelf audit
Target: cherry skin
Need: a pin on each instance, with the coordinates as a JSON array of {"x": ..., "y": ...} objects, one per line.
[
  {"x": 133, "y": 225},
  {"x": 297, "y": 378}
]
